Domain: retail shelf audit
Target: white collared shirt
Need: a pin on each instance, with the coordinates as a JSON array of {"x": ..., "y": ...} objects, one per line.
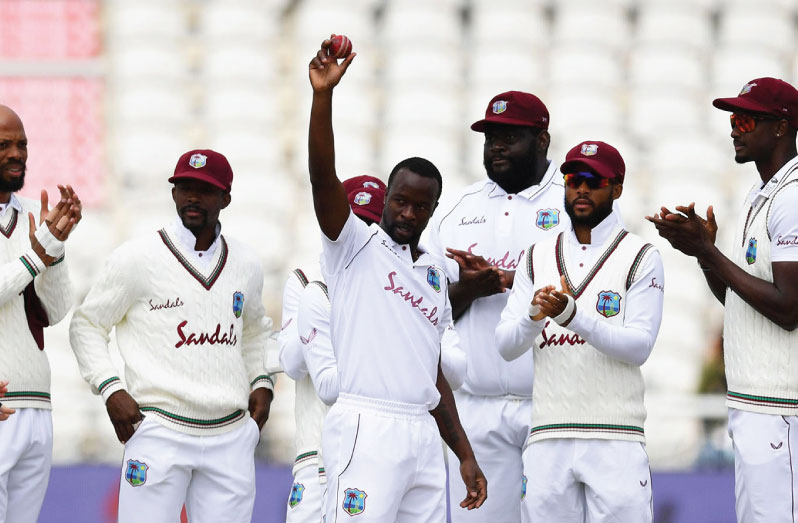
[
  {"x": 388, "y": 315},
  {"x": 189, "y": 241},
  {"x": 13, "y": 203}
]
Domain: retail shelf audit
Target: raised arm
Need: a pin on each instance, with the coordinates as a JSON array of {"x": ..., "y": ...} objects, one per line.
[{"x": 329, "y": 197}]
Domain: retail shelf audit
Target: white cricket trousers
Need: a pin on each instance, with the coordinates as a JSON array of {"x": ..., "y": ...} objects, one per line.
[
  {"x": 304, "y": 500},
  {"x": 384, "y": 463},
  {"x": 497, "y": 427},
  {"x": 213, "y": 475},
  {"x": 26, "y": 453},
  {"x": 587, "y": 481},
  {"x": 765, "y": 466}
]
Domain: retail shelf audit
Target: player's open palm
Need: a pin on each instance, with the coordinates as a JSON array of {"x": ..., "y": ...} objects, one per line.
[{"x": 325, "y": 70}]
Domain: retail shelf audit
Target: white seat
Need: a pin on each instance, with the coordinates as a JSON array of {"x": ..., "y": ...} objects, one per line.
[
  {"x": 674, "y": 25},
  {"x": 525, "y": 26},
  {"x": 239, "y": 62},
  {"x": 506, "y": 68},
  {"x": 145, "y": 18},
  {"x": 239, "y": 102},
  {"x": 440, "y": 148},
  {"x": 142, "y": 58},
  {"x": 574, "y": 64},
  {"x": 654, "y": 112},
  {"x": 421, "y": 22},
  {"x": 593, "y": 24},
  {"x": 419, "y": 106},
  {"x": 771, "y": 29},
  {"x": 238, "y": 19},
  {"x": 417, "y": 65},
  {"x": 583, "y": 106},
  {"x": 666, "y": 66},
  {"x": 162, "y": 101}
]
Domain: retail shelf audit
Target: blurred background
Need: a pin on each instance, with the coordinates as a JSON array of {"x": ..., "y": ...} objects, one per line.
[{"x": 111, "y": 92}]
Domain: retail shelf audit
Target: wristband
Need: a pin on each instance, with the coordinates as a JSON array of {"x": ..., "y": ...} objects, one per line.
[
  {"x": 53, "y": 247},
  {"x": 534, "y": 310},
  {"x": 568, "y": 313}
]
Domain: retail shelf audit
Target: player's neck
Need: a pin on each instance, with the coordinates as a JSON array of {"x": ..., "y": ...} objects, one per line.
[
  {"x": 769, "y": 166},
  {"x": 205, "y": 237},
  {"x": 5, "y": 197}
]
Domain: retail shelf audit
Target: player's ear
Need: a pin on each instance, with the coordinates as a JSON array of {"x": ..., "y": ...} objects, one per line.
[
  {"x": 543, "y": 141},
  {"x": 226, "y": 198},
  {"x": 174, "y": 198},
  {"x": 617, "y": 190}
]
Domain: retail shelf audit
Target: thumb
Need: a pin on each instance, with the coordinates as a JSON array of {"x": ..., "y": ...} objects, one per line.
[
  {"x": 564, "y": 284},
  {"x": 31, "y": 222},
  {"x": 711, "y": 214}
]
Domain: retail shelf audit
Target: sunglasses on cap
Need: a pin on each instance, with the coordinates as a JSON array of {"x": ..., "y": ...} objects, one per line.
[
  {"x": 746, "y": 123},
  {"x": 575, "y": 180}
]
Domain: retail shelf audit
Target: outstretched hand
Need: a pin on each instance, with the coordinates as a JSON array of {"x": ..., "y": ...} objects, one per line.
[
  {"x": 685, "y": 230},
  {"x": 325, "y": 71},
  {"x": 60, "y": 220}
]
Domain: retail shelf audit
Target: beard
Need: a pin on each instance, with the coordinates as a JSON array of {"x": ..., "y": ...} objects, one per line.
[
  {"x": 194, "y": 224},
  {"x": 14, "y": 184},
  {"x": 516, "y": 177},
  {"x": 596, "y": 216}
]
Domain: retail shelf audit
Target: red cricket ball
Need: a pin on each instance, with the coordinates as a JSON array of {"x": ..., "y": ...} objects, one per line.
[{"x": 341, "y": 46}]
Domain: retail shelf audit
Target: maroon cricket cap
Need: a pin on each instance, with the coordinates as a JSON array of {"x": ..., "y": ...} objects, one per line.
[
  {"x": 514, "y": 108},
  {"x": 362, "y": 181},
  {"x": 599, "y": 157},
  {"x": 367, "y": 202},
  {"x": 766, "y": 96},
  {"x": 204, "y": 165}
]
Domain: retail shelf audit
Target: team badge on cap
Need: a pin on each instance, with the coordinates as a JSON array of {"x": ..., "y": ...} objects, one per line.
[
  {"x": 608, "y": 303},
  {"x": 198, "y": 160},
  {"x": 589, "y": 149},
  {"x": 434, "y": 278},
  {"x": 548, "y": 219},
  {"x": 136, "y": 473},
  {"x": 296, "y": 494},
  {"x": 499, "y": 107},
  {"x": 238, "y": 303},
  {"x": 750, "y": 253},
  {"x": 362, "y": 198},
  {"x": 354, "y": 501},
  {"x": 747, "y": 88}
]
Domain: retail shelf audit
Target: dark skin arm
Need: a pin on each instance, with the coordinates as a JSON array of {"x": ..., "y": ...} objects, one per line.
[
  {"x": 692, "y": 235},
  {"x": 329, "y": 197},
  {"x": 477, "y": 279},
  {"x": 260, "y": 403},
  {"x": 452, "y": 432}
]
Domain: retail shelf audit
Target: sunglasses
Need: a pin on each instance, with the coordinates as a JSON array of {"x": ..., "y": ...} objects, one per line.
[
  {"x": 746, "y": 123},
  {"x": 575, "y": 180}
]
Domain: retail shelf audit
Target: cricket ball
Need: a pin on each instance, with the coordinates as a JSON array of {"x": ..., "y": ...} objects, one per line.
[{"x": 340, "y": 47}]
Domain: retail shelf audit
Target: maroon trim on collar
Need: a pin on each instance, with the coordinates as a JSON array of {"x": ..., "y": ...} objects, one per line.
[
  {"x": 205, "y": 282},
  {"x": 7, "y": 231}
]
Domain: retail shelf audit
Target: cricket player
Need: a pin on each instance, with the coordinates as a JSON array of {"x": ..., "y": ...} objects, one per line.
[
  {"x": 190, "y": 324},
  {"x": 585, "y": 456},
  {"x": 757, "y": 286},
  {"x": 389, "y": 310}
]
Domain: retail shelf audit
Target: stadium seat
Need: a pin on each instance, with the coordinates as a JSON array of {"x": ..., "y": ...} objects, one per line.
[
  {"x": 752, "y": 26},
  {"x": 677, "y": 26},
  {"x": 664, "y": 66},
  {"x": 573, "y": 65},
  {"x": 587, "y": 23}
]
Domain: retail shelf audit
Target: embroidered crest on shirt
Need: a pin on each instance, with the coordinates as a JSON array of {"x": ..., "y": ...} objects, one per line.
[
  {"x": 136, "y": 473},
  {"x": 238, "y": 303},
  {"x": 354, "y": 501},
  {"x": 296, "y": 494},
  {"x": 499, "y": 107},
  {"x": 362, "y": 198},
  {"x": 198, "y": 161},
  {"x": 750, "y": 252},
  {"x": 608, "y": 303},
  {"x": 548, "y": 219},
  {"x": 434, "y": 278}
]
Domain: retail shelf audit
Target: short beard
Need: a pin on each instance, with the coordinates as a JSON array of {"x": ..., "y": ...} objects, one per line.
[
  {"x": 600, "y": 212},
  {"x": 12, "y": 185}
]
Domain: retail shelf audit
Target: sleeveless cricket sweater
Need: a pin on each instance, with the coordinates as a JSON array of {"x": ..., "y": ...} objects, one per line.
[
  {"x": 22, "y": 363},
  {"x": 193, "y": 342},
  {"x": 580, "y": 392},
  {"x": 761, "y": 357}
]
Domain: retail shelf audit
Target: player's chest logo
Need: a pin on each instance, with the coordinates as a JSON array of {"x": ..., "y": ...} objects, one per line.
[
  {"x": 413, "y": 300},
  {"x": 238, "y": 303},
  {"x": 434, "y": 278},
  {"x": 136, "y": 473},
  {"x": 608, "y": 303},
  {"x": 158, "y": 305},
  {"x": 296, "y": 494},
  {"x": 750, "y": 252},
  {"x": 548, "y": 219},
  {"x": 474, "y": 220},
  {"x": 354, "y": 501}
]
